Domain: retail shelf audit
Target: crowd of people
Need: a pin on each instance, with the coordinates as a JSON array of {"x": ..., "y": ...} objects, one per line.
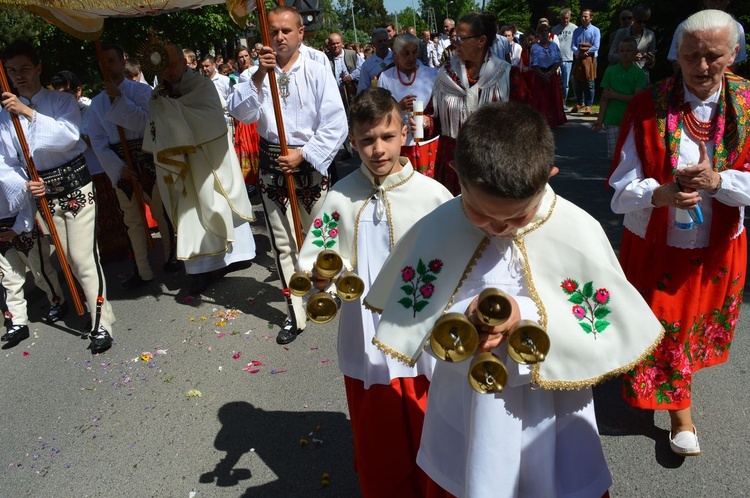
[{"x": 428, "y": 117}]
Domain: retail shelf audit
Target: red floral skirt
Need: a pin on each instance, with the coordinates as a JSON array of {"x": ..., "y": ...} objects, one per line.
[
  {"x": 697, "y": 298},
  {"x": 246, "y": 144},
  {"x": 547, "y": 99},
  {"x": 422, "y": 156}
]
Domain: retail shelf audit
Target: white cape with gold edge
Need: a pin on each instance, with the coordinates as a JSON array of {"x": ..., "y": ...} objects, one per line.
[
  {"x": 197, "y": 170},
  {"x": 371, "y": 219},
  {"x": 562, "y": 242}
]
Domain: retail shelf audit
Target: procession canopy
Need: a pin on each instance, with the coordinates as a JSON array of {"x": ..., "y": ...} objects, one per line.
[{"x": 84, "y": 19}]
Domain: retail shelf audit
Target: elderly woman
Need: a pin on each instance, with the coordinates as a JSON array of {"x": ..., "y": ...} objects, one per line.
[
  {"x": 246, "y": 138},
  {"x": 684, "y": 146},
  {"x": 644, "y": 38},
  {"x": 471, "y": 78},
  {"x": 410, "y": 80},
  {"x": 545, "y": 84}
]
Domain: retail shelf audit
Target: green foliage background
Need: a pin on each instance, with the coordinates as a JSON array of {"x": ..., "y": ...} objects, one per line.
[{"x": 211, "y": 29}]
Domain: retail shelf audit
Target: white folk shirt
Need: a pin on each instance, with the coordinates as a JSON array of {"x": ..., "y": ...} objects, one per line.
[
  {"x": 130, "y": 111},
  {"x": 15, "y": 199},
  {"x": 314, "y": 116},
  {"x": 633, "y": 192},
  {"x": 222, "y": 84},
  {"x": 424, "y": 80},
  {"x": 372, "y": 68},
  {"x": 504, "y": 445},
  {"x": 340, "y": 69},
  {"x": 53, "y": 134}
]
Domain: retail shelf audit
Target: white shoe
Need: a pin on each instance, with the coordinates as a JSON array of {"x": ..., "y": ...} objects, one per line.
[{"x": 685, "y": 443}]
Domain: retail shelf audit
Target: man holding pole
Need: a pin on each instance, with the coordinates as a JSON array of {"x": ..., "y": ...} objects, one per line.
[
  {"x": 124, "y": 104},
  {"x": 51, "y": 124},
  {"x": 315, "y": 128}
]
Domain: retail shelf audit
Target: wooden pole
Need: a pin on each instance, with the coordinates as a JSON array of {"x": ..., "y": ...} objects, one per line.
[
  {"x": 126, "y": 153},
  {"x": 265, "y": 38},
  {"x": 43, "y": 206}
]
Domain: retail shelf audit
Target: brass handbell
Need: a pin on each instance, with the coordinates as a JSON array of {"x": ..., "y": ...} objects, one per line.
[
  {"x": 529, "y": 343},
  {"x": 454, "y": 338},
  {"x": 321, "y": 307},
  {"x": 487, "y": 374},
  {"x": 349, "y": 286},
  {"x": 493, "y": 307},
  {"x": 300, "y": 284},
  {"x": 329, "y": 263}
]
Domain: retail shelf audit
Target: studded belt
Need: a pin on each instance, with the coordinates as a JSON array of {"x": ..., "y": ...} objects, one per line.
[
  {"x": 268, "y": 157},
  {"x": 67, "y": 178},
  {"x": 141, "y": 159}
]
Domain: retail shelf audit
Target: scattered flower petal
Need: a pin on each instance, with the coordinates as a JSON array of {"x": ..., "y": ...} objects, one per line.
[
  {"x": 274, "y": 371},
  {"x": 222, "y": 334},
  {"x": 194, "y": 393},
  {"x": 146, "y": 356},
  {"x": 303, "y": 442},
  {"x": 325, "y": 361},
  {"x": 25, "y": 354},
  {"x": 256, "y": 363},
  {"x": 161, "y": 351},
  {"x": 237, "y": 355},
  {"x": 188, "y": 299}
]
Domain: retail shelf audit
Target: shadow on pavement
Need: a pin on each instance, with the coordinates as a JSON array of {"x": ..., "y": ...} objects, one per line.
[{"x": 297, "y": 447}]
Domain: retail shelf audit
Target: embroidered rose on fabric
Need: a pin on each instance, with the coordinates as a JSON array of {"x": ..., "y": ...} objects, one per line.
[
  {"x": 325, "y": 230},
  {"x": 589, "y": 305},
  {"x": 419, "y": 286}
]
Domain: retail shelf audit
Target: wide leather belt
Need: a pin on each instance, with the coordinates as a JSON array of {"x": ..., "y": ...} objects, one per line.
[
  {"x": 141, "y": 158},
  {"x": 67, "y": 178},
  {"x": 268, "y": 155}
]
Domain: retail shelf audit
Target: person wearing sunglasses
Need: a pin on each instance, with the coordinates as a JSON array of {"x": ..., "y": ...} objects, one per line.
[{"x": 645, "y": 40}]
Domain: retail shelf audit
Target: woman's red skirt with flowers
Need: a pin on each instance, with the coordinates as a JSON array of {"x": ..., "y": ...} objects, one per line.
[
  {"x": 697, "y": 299},
  {"x": 422, "y": 156},
  {"x": 547, "y": 99}
]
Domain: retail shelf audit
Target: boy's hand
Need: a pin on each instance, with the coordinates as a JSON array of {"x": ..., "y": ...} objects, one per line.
[
  {"x": 492, "y": 337},
  {"x": 597, "y": 126},
  {"x": 37, "y": 189},
  {"x": 320, "y": 283},
  {"x": 7, "y": 235}
]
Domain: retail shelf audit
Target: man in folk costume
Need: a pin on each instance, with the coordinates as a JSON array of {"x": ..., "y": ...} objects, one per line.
[
  {"x": 362, "y": 218},
  {"x": 51, "y": 122},
  {"x": 22, "y": 246},
  {"x": 315, "y": 126},
  {"x": 198, "y": 173},
  {"x": 124, "y": 103},
  {"x": 683, "y": 147},
  {"x": 538, "y": 435}
]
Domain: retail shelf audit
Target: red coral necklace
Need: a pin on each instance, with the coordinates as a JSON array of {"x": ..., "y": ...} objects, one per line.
[
  {"x": 408, "y": 82},
  {"x": 701, "y": 130}
]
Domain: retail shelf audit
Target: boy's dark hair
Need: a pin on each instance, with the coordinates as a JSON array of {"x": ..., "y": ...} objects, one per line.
[
  {"x": 21, "y": 47},
  {"x": 132, "y": 68},
  {"x": 630, "y": 39},
  {"x": 373, "y": 105},
  {"x": 506, "y": 149},
  {"x": 66, "y": 80},
  {"x": 208, "y": 57}
]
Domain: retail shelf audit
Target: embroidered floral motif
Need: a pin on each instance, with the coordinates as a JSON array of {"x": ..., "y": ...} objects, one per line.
[
  {"x": 720, "y": 273},
  {"x": 419, "y": 291},
  {"x": 73, "y": 202},
  {"x": 325, "y": 230},
  {"x": 589, "y": 309}
]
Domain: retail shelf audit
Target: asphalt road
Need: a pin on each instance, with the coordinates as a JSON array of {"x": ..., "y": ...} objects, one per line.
[{"x": 220, "y": 410}]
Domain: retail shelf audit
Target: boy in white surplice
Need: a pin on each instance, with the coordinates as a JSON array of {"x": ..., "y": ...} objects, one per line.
[{"x": 361, "y": 219}]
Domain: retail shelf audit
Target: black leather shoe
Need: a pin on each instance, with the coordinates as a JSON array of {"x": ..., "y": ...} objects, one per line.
[
  {"x": 200, "y": 282},
  {"x": 288, "y": 333},
  {"x": 56, "y": 313},
  {"x": 134, "y": 282},
  {"x": 172, "y": 265},
  {"x": 100, "y": 340},
  {"x": 16, "y": 333}
]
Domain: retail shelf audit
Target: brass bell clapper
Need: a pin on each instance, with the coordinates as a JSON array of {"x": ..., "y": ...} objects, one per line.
[
  {"x": 454, "y": 338},
  {"x": 322, "y": 307}
]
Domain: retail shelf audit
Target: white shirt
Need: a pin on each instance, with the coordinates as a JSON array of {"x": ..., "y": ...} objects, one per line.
[
  {"x": 340, "y": 69},
  {"x": 313, "y": 54},
  {"x": 223, "y": 85},
  {"x": 515, "y": 54},
  {"x": 15, "y": 198},
  {"x": 53, "y": 134},
  {"x": 314, "y": 116},
  {"x": 633, "y": 192},
  {"x": 372, "y": 68},
  {"x": 521, "y": 442},
  {"x": 443, "y": 42},
  {"x": 130, "y": 111},
  {"x": 424, "y": 80},
  {"x": 432, "y": 57}
]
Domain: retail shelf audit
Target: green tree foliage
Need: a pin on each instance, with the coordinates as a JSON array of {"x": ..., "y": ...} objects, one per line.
[
  {"x": 407, "y": 17},
  {"x": 450, "y": 8},
  {"x": 18, "y": 23},
  {"x": 511, "y": 12},
  {"x": 368, "y": 15}
]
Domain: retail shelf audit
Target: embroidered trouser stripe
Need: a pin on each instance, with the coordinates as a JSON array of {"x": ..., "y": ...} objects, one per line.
[
  {"x": 13, "y": 266},
  {"x": 76, "y": 226},
  {"x": 281, "y": 231}
]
